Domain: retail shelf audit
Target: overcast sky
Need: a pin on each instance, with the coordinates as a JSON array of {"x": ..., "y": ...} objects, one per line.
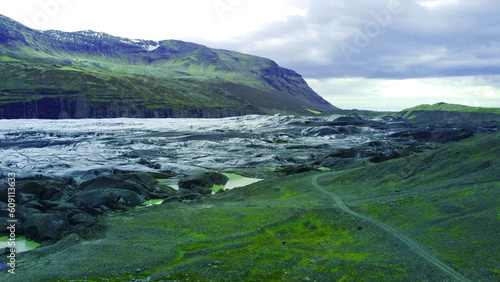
[{"x": 365, "y": 54}]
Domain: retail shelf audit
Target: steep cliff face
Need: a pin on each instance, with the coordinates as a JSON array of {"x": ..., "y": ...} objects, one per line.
[
  {"x": 51, "y": 74},
  {"x": 77, "y": 108}
]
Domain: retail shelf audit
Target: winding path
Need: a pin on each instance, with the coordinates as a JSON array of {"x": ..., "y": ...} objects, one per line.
[{"x": 412, "y": 244}]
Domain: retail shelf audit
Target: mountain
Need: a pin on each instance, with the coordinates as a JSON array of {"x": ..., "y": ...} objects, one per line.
[
  {"x": 87, "y": 74},
  {"x": 450, "y": 114}
]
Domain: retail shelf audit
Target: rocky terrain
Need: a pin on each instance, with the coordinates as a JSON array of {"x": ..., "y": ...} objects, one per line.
[{"x": 75, "y": 178}]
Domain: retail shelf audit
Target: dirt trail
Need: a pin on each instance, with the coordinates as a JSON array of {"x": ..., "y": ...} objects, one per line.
[{"x": 412, "y": 244}]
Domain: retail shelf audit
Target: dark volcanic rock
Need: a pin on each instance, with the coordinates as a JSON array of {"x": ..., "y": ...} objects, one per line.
[
  {"x": 110, "y": 197},
  {"x": 140, "y": 183},
  {"x": 385, "y": 156},
  {"x": 162, "y": 191},
  {"x": 204, "y": 180},
  {"x": 41, "y": 189},
  {"x": 83, "y": 219},
  {"x": 172, "y": 199},
  {"x": 43, "y": 227},
  {"x": 296, "y": 169},
  {"x": 192, "y": 196},
  {"x": 199, "y": 190},
  {"x": 23, "y": 213},
  {"x": 218, "y": 178},
  {"x": 321, "y": 131}
]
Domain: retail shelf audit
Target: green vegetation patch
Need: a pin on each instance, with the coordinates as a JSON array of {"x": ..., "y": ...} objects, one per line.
[{"x": 314, "y": 112}]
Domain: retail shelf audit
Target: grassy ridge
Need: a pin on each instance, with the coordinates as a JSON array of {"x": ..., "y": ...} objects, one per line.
[
  {"x": 447, "y": 199},
  {"x": 450, "y": 108}
]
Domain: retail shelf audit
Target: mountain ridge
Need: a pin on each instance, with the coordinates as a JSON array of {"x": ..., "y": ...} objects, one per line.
[
  {"x": 445, "y": 113},
  {"x": 148, "y": 78}
]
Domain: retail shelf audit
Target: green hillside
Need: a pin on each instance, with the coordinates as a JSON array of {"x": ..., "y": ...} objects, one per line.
[
  {"x": 93, "y": 74},
  {"x": 443, "y": 114},
  {"x": 450, "y": 108}
]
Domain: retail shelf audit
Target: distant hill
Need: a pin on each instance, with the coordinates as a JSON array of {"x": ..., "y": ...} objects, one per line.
[
  {"x": 452, "y": 108},
  {"x": 54, "y": 74},
  {"x": 450, "y": 113}
]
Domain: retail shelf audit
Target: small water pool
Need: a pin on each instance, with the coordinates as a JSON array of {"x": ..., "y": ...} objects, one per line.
[
  {"x": 22, "y": 244},
  {"x": 235, "y": 181}
]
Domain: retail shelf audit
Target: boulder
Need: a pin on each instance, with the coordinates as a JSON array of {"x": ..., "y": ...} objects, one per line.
[
  {"x": 111, "y": 198},
  {"x": 45, "y": 226},
  {"x": 161, "y": 191},
  {"x": 24, "y": 198},
  {"x": 204, "y": 180},
  {"x": 297, "y": 169},
  {"x": 34, "y": 205},
  {"x": 199, "y": 190},
  {"x": 23, "y": 213},
  {"x": 140, "y": 183},
  {"x": 83, "y": 219},
  {"x": 48, "y": 189},
  {"x": 218, "y": 178},
  {"x": 61, "y": 206},
  {"x": 172, "y": 199}
]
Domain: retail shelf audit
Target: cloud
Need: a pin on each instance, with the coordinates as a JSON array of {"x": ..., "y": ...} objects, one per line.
[
  {"x": 317, "y": 38},
  {"x": 365, "y": 38},
  {"x": 397, "y": 94}
]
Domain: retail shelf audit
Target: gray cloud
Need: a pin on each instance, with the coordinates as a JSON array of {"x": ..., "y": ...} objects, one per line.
[{"x": 382, "y": 39}]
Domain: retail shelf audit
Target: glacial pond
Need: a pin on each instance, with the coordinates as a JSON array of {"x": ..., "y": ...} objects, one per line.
[
  {"x": 22, "y": 244},
  {"x": 235, "y": 181}
]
